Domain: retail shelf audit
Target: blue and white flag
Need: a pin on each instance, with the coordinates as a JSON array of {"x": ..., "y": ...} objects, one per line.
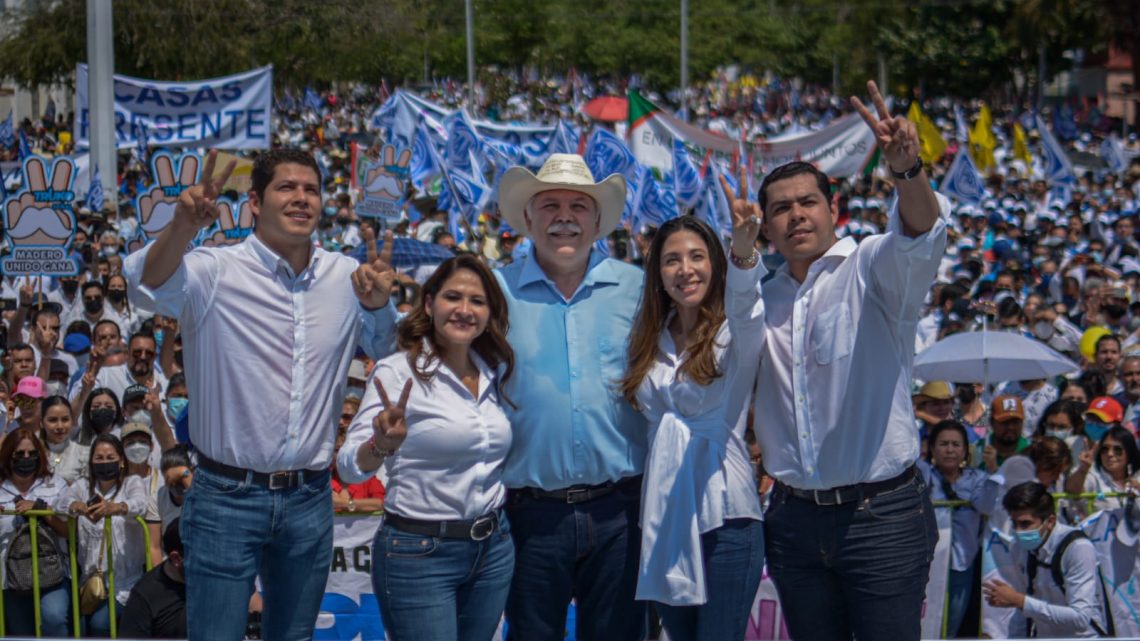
[
  {"x": 1057, "y": 168},
  {"x": 962, "y": 182},
  {"x": 25, "y": 148},
  {"x": 712, "y": 206},
  {"x": 463, "y": 143},
  {"x": 95, "y": 192},
  {"x": 1113, "y": 154},
  {"x": 607, "y": 154},
  {"x": 471, "y": 191},
  {"x": 564, "y": 140},
  {"x": 313, "y": 100},
  {"x": 686, "y": 178},
  {"x": 142, "y": 139},
  {"x": 7, "y": 134},
  {"x": 961, "y": 130},
  {"x": 424, "y": 167}
]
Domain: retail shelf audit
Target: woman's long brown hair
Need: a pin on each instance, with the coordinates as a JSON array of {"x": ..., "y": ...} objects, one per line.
[
  {"x": 699, "y": 364},
  {"x": 491, "y": 345}
]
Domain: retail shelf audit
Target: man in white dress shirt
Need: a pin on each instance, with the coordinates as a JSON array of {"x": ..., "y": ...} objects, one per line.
[
  {"x": 269, "y": 327},
  {"x": 850, "y": 530}
]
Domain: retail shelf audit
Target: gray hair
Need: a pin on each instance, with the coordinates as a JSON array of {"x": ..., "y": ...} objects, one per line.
[{"x": 530, "y": 203}]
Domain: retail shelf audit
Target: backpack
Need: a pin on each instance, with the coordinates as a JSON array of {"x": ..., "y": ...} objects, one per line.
[
  {"x": 1059, "y": 580},
  {"x": 18, "y": 564}
]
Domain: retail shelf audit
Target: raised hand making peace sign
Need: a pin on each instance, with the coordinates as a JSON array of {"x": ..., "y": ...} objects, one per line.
[
  {"x": 746, "y": 217},
  {"x": 389, "y": 428},
  {"x": 197, "y": 205},
  {"x": 896, "y": 136}
]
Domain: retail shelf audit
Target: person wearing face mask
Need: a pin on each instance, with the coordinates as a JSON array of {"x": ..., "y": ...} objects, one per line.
[
  {"x": 108, "y": 493},
  {"x": 1064, "y": 419},
  {"x": 156, "y": 607},
  {"x": 66, "y": 459},
  {"x": 357, "y": 375},
  {"x": 93, "y": 307},
  {"x": 101, "y": 414},
  {"x": 1114, "y": 305},
  {"x": 29, "y": 485},
  {"x": 121, "y": 310},
  {"x": 138, "y": 446},
  {"x": 177, "y": 476},
  {"x": 1046, "y": 607},
  {"x": 177, "y": 399},
  {"x": 67, "y": 294},
  {"x": 971, "y": 411}
]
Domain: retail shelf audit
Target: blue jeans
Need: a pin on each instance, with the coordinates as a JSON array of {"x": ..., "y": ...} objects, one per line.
[
  {"x": 55, "y": 612},
  {"x": 734, "y": 562},
  {"x": 959, "y": 593},
  {"x": 98, "y": 623},
  {"x": 435, "y": 589},
  {"x": 234, "y": 531},
  {"x": 854, "y": 569},
  {"x": 588, "y": 551}
]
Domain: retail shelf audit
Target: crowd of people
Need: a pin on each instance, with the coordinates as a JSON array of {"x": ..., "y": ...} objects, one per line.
[{"x": 567, "y": 425}]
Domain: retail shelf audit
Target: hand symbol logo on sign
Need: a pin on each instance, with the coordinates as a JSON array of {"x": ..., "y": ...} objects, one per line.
[
  {"x": 383, "y": 187},
  {"x": 42, "y": 216},
  {"x": 235, "y": 222},
  {"x": 156, "y": 207}
]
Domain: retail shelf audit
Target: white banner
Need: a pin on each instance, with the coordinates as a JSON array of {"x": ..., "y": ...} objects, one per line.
[
  {"x": 232, "y": 112},
  {"x": 934, "y": 608},
  {"x": 349, "y": 610},
  {"x": 839, "y": 150}
]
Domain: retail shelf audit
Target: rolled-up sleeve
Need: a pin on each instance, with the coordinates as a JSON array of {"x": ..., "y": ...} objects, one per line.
[
  {"x": 185, "y": 295},
  {"x": 902, "y": 268},
  {"x": 378, "y": 331},
  {"x": 1079, "y": 567}
]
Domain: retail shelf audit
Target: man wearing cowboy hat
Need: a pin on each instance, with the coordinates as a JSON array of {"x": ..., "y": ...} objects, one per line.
[{"x": 579, "y": 450}]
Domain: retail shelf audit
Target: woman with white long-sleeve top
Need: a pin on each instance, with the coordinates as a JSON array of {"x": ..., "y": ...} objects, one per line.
[
  {"x": 108, "y": 492},
  {"x": 693, "y": 358},
  {"x": 443, "y": 557}
]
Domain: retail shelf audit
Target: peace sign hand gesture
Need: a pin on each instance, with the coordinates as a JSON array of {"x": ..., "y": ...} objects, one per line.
[
  {"x": 197, "y": 205},
  {"x": 897, "y": 137},
  {"x": 389, "y": 428},
  {"x": 745, "y": 217}
]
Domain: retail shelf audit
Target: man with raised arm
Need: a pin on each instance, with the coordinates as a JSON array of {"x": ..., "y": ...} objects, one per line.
[
  {"x": 268, "y": 327},
  {"x": 850, "y": 531}
]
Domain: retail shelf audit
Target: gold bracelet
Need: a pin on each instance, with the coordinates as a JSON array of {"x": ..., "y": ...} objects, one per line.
[{"x": 744, "y": 263}]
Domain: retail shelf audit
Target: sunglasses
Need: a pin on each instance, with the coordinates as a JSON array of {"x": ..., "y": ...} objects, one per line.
[
  {"x": 25, "y": 402},
  {"x": 24, "y": 454},
  {"x": 143, "y": 353}
]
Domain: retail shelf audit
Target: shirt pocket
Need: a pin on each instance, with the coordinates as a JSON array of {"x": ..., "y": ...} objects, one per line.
[{"x": 832, "y": 335}]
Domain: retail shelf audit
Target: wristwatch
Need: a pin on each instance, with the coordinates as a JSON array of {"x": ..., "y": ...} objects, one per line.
[
  {"x": 908, "y": 174},
  {"x": 351, "y": 505}
]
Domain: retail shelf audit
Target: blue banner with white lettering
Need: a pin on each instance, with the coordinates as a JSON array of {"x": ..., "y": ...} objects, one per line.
[{"x": 232, "y": 112}]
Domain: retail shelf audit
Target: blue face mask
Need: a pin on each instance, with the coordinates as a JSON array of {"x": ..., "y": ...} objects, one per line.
[
  {"x": 1029, "y": 539},
  {"x": 330, "y": 211},
  {"x": 1095, "y": 430},
  {"x": 158, "y": 336},
  {"x": 177, "y": 406}
]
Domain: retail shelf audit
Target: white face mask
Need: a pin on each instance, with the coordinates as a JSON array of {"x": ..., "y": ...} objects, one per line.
[
  {"x": 55, "y": 388},
  {"x": 137, "y": 453},
  {"x": 140, "y": 416}
]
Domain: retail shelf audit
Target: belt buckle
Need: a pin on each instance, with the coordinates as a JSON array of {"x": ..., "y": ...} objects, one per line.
[
  {"x": 280, "y": 480},
  {"x": 482, "y": 527},
  {"x": 578, "y": 495},
  {"x": 815, "y": 494}
]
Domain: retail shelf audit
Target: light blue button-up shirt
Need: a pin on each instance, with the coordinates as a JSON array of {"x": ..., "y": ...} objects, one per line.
[{"x": 572, "y": 426}]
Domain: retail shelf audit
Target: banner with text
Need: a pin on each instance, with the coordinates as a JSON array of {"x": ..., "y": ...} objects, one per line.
[{"x": 232, "y": 112}]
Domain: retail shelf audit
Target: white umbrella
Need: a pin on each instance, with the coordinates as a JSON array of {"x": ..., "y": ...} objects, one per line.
[{"x": 989, "y": 357}]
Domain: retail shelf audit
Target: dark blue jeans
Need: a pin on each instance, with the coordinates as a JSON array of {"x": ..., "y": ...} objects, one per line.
[
  {"x": 233, "y": 532},
  {"x": 734, "y": 562},
  {"x": 589, "y": 552},
  {"x": 55, "y": 612},
  {"x": 435, "y": 589},
  {"x": 854, "y": 569}
]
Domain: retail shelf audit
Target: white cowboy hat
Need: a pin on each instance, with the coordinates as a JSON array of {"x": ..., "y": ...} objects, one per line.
[{"x": 561, "y": 171}]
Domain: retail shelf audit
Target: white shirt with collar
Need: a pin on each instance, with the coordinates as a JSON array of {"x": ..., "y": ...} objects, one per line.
[
  {"x": 1057, "y": 613},
  {"x": 833, "y": 401},
  {"x": 450, "y": 466},
  {"x": 698, "y": 472},
  {"x": 266, "y": 350}
]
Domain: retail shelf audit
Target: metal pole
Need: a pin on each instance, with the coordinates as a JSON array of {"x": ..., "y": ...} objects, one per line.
[
  {"x": 684, "y": 59},
  {"x": 101, "y": 95},
  {"x": 470, "y": 55}
]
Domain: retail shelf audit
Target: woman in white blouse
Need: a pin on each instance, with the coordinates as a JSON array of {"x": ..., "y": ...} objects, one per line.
[
  {"x": 693, "y": 356},
  {"x": 443, "y": 557},
  {"x": 1111, "y": 467},
  {"x": 29, "y": 485},
  {"x": 108, "y": 493},
  {"x": 66, "y": 458}
]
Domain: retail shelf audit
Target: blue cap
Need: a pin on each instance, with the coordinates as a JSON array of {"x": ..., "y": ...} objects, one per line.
[{"x": 76, "y": 344}]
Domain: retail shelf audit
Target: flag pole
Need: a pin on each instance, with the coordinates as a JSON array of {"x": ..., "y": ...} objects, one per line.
[
  {"x": 470, "y": 56},
  {"x": 684, "y": 59}
]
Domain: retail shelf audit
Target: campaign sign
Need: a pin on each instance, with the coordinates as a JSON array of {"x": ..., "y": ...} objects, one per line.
[
  {"x": 231, "y": 112},
  {"x": 39, "y": 220}
]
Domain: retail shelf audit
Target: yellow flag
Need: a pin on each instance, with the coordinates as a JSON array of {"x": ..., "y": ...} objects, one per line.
[
  {"x": 983, "y": 142},
  {"x": 1021, "y": 145},
  {"x": 933, "y": 145}
]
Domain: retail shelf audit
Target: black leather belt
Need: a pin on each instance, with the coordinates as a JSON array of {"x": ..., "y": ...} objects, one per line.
[
  {"x": 850, "y": 493},
  {"x": 269, "y": 480},
  {"x": 578, "y": 493},
  {"x": 476, "y": 530}
]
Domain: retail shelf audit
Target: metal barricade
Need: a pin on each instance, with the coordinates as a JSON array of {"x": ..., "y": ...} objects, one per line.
[{"x": 34, "y": 517}]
